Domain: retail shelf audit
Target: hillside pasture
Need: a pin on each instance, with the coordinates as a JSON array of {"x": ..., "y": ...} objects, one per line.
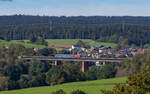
[
  {"x": 56, "y": 43},
  {"x": 67, "y": 43},
  {"x": 22, "y": 42},
  {"x": 90, "y": 87}
]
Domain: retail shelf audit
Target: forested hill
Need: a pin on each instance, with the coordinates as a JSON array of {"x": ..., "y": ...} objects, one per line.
[
  {"x": 124, "y": 30},
  {"x": 23, "y": 19}
]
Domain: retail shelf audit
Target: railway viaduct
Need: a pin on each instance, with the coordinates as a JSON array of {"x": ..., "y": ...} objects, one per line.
[{"x": 83, "y": 60}]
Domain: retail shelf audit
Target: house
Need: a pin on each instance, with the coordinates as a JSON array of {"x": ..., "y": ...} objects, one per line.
[
  {"x": 6, "y": 47},
  {"x": 101, "y": 49},
  {"x": 75, "y": 47},
  {"x": 97, "y": 64},
  {"x": 92, "y": 48},
  {"x": 140, "y": 51},
  {"x": 37, "y": 49},
  {"x": 78, "y": 48},
  {"x": 67, "y": 49}
]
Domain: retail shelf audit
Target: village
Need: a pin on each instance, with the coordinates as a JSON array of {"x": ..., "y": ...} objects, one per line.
[{"x": 81, "y": 50}]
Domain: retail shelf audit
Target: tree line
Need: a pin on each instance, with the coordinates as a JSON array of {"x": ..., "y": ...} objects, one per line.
[
  {"x": 127, "y": 30},
  {"x": 139, "y": 81}
]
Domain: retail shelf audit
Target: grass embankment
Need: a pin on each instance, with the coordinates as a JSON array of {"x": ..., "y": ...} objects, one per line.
[{"x": 90, "y": 87}]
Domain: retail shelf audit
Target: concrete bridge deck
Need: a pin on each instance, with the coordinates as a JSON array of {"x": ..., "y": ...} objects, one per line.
[
  {"x": 85, "y": 59},
  {"x": 82, "y": 59}
]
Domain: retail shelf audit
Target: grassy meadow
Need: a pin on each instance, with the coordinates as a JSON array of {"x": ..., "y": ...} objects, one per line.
[
  {"x": 60, "y": 43},
  {"x": 90, "y": 87},
  {"x": 22, "y": 42},
  {"x": 55, "y": 43}
]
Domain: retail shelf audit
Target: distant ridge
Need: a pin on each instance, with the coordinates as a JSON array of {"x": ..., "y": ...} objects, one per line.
[
  {"x": 27, "y": 19},
  {"x": 126, "y": 30}
]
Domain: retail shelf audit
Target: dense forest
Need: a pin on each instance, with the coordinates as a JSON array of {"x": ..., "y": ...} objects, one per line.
[{"x": 126, "y": 30}]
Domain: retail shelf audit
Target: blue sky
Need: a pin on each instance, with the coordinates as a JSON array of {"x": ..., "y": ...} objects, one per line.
[{"x": 76, "y": 7}]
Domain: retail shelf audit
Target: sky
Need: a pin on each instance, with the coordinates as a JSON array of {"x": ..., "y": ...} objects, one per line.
[{"x": 76, "y": 7}]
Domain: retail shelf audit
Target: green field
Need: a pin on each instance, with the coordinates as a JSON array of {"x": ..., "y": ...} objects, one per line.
[
  {"x": 25, "y": 43},
  {"x": 69, "y": 42},
  {"x": 56, "y": 43},
  {"x": 90, "y": 87}
]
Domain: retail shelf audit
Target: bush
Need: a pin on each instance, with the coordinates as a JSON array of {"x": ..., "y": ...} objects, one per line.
[
  {"x": 38, "y": 40},
  {"x": 78, "y": 92},
  {"x": 91, "y": 74},
  {"x": 136, "y": 84},
  {"x": 59, "y": 92},
  {"x": 3, "y": 83},
  {"x": 106, "y": 71},
  {"x": 55, "y": 75}
]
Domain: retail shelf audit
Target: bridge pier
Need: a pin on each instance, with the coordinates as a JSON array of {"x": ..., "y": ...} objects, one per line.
[
  {"x": 104, "y": 62},
  {"x": 84, "y": 66},
  {"x": 56, "y": 63}
]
